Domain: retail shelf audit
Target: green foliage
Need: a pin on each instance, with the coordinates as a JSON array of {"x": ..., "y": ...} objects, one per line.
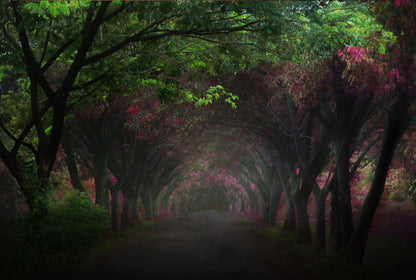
[
  {"x": 212, "y": 94},
  {"x": 54, "y": 8},
  {"x": 76, "y": 211},
  {"x": 64, "y": 236},
  {"x": 320, "y": 31}
]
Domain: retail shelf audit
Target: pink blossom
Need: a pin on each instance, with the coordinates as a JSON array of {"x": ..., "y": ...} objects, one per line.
[
  {"x": 113, "y": 180},
  {"x": 396, "y": 3},
  {"x": 132, "y": 110},
  {"x": 394, "y": 72}
]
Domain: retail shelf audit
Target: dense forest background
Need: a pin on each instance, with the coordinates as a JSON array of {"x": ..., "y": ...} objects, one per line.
[{"x": 295, "y": 113}]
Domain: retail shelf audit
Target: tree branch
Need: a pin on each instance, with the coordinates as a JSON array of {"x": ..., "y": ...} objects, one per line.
[
  {"x": 29, "y": 59},
  {"x": 27, "y": 129},
  {"x": 36, "y": 114},
  {"x": 56, "y": 54},
  {"x": 45, "y": 47},
  {"x": 140, "y": 37},
  {"x": 9, "y": 37},
  {"x": 123, "y": 6},
  {"x": 17, "y": 140}
]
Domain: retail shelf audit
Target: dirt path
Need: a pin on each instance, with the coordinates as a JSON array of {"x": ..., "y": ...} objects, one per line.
[{"x": 204, "y": 245}]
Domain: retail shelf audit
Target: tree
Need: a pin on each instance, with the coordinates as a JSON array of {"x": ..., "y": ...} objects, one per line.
[
  {"x": 402, "y": 25},
  {"x": 65, "y": 51},
  {"x": 95, "y": 129}
]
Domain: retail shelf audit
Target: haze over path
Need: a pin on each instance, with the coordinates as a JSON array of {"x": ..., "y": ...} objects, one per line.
[{"x": 203, "y": 245}]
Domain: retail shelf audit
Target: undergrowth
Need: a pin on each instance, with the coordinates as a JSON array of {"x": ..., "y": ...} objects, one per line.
[
  {"x": 320, "y": 264},
  {"x": 72, "y": 232}
]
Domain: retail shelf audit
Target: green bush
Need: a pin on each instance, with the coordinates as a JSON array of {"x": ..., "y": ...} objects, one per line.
[{"x": 71, "y": 229}]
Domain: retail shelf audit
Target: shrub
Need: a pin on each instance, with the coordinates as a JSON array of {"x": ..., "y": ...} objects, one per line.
[
  {"x": 74, "y": 225},
  {"x": 69, "y": 232}
]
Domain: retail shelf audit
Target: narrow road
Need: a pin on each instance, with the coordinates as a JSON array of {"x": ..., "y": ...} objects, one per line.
[{"x": 204, "y": 245}]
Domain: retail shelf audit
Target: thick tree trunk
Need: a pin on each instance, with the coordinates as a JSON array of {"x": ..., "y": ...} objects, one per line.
[
  {"x": 148, "y": 205},
  {"x": 290, "y": 216},
  {"x": 101, "y": 192},
  {"x": 242, "y": 205},
  {"x": 335, "y": 232},
  {"x": 265, "y": 208},
  {"x": 136, "y": 210},
  {"x": 320, "y": 227},
  {"x": 126, "y": 216},
  {"x": 115, "y": 215},
  {"x": 252, "y": 199},
  {"x": 341, "y": 213},
  {"x": 397, "y": 124},
  {"x": 304, "y": 229},
  {"x": 71, "y": 163},
  {"x": 275, "y": 197}
]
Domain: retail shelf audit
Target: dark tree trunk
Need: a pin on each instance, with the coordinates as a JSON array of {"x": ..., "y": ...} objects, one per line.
[
  {"x": 320, "y": 227},
  {"x": 126, "y": 216},
  {"x": 303, "y": 225},
  {"x": 341, "y": 213},
  {"x": 115, "y": 215},
  {"x": 265, "y": 208},
  {"x": 136, "y": 210},
  {"x": 290, "y": 216},
  {"x": 335, "y": 232},
  {"x": 242, "y": 205},
  {"x": 275, "y": 197},
  {"x": 252, "y": 199},
  {"x": 397, "y": 124},
  {"x": 147, "y": 202},
  {"x": 100, "y": 169},
  {"x": 344, "y": 200},
  {"x": 71, "y": 163}
]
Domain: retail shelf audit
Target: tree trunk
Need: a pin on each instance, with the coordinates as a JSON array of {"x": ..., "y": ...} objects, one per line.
[
  {"x": 242, "y": 205},
  {"x": 148, "y": 206},
  {"x": 290, "y": 216},
  {"x": 304, "y": 228},
  {"x": 341, "y": 213},
  {"x": 264, "y": 208},
  {"x": 275, "y": 197},
  {"x": 320, "y": 234},
  {"x": 397, "y": 124},
  {"x": 71, "y": 164},
  {"x": 126, "y": 216},
  {"x": 136, "y": 210},
  {"x": 101, "y": 192},
  {"x": 115, "y": 215}
]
